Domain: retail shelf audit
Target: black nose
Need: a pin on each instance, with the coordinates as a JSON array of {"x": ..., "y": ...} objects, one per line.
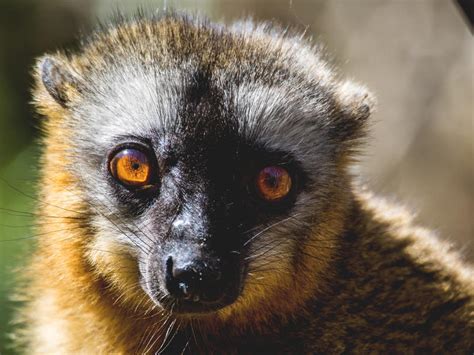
[{"x": 194, "y": 281}]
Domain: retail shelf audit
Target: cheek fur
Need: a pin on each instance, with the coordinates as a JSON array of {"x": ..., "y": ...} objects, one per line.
[
  {"x": 117, "y": 263},
  {"x": 287, "y": 264}
]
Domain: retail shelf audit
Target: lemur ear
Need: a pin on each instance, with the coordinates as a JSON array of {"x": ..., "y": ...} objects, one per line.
[
  {"x": 355, "y": 104},
  {"x": 59, "y": 80}
]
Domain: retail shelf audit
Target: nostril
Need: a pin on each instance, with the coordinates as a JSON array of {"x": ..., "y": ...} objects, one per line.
[{"x": 169, "y": 267}]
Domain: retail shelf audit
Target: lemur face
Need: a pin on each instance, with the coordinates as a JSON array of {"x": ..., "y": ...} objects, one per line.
[
  {"x": 201, "y": 193},
  {"x": 211, "y": 155}
]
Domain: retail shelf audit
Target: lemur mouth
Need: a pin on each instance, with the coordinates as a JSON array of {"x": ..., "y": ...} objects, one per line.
[
  {"x": 196, "y": 307},
  {"x": 193, "y": 306}
]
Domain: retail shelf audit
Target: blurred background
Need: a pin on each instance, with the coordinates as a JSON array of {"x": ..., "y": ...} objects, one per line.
[{"x": 417, "y": 56}]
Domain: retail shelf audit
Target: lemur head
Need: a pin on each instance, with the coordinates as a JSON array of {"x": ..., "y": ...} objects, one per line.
[{"x": 210, "y": 159}]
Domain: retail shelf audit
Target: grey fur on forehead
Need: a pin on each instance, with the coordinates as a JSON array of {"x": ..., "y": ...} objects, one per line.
[{"x": 285, "y": 96}]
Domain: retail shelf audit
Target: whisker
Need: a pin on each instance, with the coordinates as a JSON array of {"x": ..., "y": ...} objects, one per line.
[
  {"x": 167, "y": 342},
  {"x": 18, "y": 213},
  {"x": 267, "y": 228},
  {"x": 119, "y": 229},
  {"x": 34, "y": 198},
  {"x": 39, "y": 234}
]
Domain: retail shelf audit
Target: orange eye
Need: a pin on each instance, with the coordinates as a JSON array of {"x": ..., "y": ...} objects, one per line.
[
  {"x": 131, "y": 167},
  {"x": 273, "y": 183}
]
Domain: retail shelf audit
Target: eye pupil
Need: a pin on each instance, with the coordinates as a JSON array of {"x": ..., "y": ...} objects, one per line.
[
  {"x": 271, "y": 181},
  {"x": 135, "y": 166}
]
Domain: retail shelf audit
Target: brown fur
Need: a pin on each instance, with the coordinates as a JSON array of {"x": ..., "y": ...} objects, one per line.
[{"x": 367, "y": 279}]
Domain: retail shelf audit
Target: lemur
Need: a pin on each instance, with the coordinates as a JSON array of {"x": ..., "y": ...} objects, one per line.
[{"x": 197, "y": 197}]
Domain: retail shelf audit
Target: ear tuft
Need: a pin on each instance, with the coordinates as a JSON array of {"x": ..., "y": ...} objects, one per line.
[
  {"x": 59, "y": 80},
  {"x": 354, "y": 105},
  {"x": 355, "y": 100}
]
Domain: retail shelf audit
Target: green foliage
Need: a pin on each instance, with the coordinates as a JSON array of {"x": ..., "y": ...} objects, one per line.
[{"x": 16, "y": 238}]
